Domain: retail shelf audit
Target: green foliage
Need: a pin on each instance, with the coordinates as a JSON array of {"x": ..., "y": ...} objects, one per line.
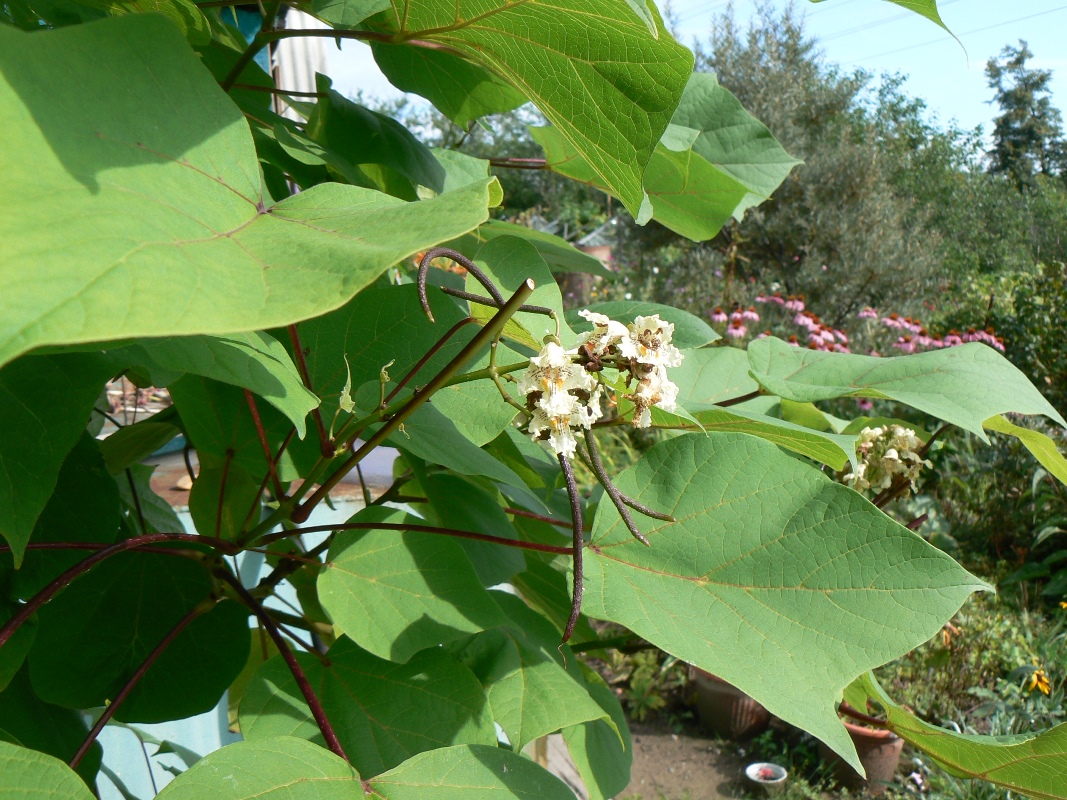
[{"x": 151, "y": 231}]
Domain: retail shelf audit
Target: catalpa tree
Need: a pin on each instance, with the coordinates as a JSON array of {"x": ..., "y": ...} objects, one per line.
[{"x": 292, "y": 284}]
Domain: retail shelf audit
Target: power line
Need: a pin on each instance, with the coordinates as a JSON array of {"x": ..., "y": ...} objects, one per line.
[
  {"x": 877, "y": 23},
  {"x": 965, "y": 33}
]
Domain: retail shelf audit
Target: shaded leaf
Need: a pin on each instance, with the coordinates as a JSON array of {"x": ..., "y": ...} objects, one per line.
[
  {"x": 136, "y": 199},
  {"x": 132, "y": 443},
  {"x": 45, "y": 728},
  {"x": 45, "y": 402},
  {"x": 940, "y": 382},
  {"x": 602, "y": 759},
  {"x": 460, "y": 90},
  {"x": 84, "y": 507},
  {"x": 96, "y": 632},
  {"x": 769, "y": 558},
  {"x": 383, "y": 713},
  {"x": 530, "y": 692},
  {"x": 158, "y": 515},
  {"x": 421, "y": 585},
  {"x": 221, "y": 499},
  {"x": 253, "y": 361},
  {"x": 463, "y": 506}
]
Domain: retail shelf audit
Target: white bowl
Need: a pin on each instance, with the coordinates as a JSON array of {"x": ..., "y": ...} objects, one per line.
[{"x": 773, "y": 783}]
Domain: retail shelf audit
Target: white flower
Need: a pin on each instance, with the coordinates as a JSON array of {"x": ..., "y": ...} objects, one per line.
[
  {"x": 649, "y": 342},
  {"x": 654, "y": 389},
  {"x": 562, "y": 395},
  {"x": 885, "y": 453},
  {"x": 606, "y": 332}
]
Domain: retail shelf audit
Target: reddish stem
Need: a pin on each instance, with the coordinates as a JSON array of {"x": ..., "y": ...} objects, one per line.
[
  {"x": 392, "y": 526},
  {"x": 733, "y": 401},
  {"x": 48, "y": 592},
  {"x": 521, "y": 512},
  {"x": 266, "y": 478},
  {"x": 576, "y": 550},
  {"x": 124, "y": 692},
  {"x": 519, "y": 163},
  {"x": 325, "y": 445},
  {"x": 262, "y": 434},
  {"x": 849, "y": 711},
  {"x": 312, "y": 699}
]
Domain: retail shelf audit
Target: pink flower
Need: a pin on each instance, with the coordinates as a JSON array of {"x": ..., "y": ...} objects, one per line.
[
  {"x": 840, "y": 348},
  {"x": 736, "y": 330},
  {"x": 864, "y": 404},
  {"x": 794, "y": 341},
  {"x": 736, "y": 316},
  {"x": 892, "y": 321},
  {"x": 794, "y": 304},
  {"x": 764, "y": 335},
  {"x": 719, "y": 315},
  {"x": 761, "y": 299},
  {"x": 841, "y": 335},
  {"x": 868, "y": 313},
  {"x": 905, "y": 344},
  {"x": 953, "y": 339},
  {"x": 999, "y": 344},
  {"x": 776, "y": 298},
  {"x": 750, "y": 315}
]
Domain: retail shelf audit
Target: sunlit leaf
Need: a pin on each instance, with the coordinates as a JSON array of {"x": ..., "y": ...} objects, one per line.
[{"x": 769, "y": 556}]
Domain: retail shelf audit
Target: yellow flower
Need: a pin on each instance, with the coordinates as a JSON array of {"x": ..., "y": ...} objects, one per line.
[
  {"x": 1039, "y": 680},
  {"x": 1063, "y": 604}
]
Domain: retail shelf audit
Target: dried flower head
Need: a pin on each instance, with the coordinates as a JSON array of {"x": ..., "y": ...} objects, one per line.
[{"x": 886, "y": 452}]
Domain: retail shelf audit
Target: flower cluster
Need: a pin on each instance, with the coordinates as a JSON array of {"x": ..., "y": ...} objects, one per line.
[
  {"x": 561, "y": 395},
  {"x": 917, "y": 338},
  {"x": 563, "y": 392},
  {"x": 650, "y": 352},
  {"x": 886, "y": 452}
]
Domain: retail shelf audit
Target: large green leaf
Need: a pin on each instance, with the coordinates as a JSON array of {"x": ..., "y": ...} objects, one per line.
[
  {"x": 1032, "y": 764},
  {"x": 383, "y": 713},
  {"x": 476, "y": 407},
  {"x": 286, "y": 768},
  {"x": 96, "y": 632},
  {"x": 530, "y": 692},
  {"x": 712, "y": 125},
  {"x": 135, "y": 200},
  {"x": 29, "y": 775},
  {"x": 712, "y": 375},
  {"x": 44, "y": 727},
  {"x": 577, "y": 61},
  {"x": 15, "y": 650},
  {"x": 963, "y": 385},
  {"x": 689, "y": 330},
  {"x": 45, "y": 402},
  {"x": 344, "y": 13},
  {"x": 462, "y": 91},
  {"x": 253, "y": 361},
  {"x": 84, "y": 507},
  {"x": 421, "y": 586},
  {"x": 773, "y": 576}
]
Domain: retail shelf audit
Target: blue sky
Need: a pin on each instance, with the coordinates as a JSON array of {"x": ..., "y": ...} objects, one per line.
[{"x": 870, "y": 34}]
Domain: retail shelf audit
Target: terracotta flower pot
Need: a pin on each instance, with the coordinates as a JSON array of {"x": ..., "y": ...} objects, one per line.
[
  {"x": 879, "y": 752},
  {"x": 726, "y": 710}
]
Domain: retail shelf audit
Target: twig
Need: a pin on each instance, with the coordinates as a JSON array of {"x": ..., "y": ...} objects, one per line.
[
  {"x": 135, "y": 678},
  {"x": 272, "y": 90},
  {"x": 398, "y": 526},
  {"x": 27, "y": 610},
  {"x": 849, "y": 711},
  {"x": 262, "y": 434},
  {"x": 136, "y": 500},
  {"x": 266, "y": 479},
  {"x": 522, "y": 512},
  {"x": 579, "y": 545},
  {"x": 463, "y": 261},
  {"x": 325, "y": 445},
  {"x": 933, "y": 438},
  {"x": 733, "y": 401},
  {"x": 317, "y": 711},
  {"x": 188, "y": 461},
  {"x": 917, "y": 523},
  {"x": 618, "y": 498},
  {"x": 422, "y": 362},
  {"x": 519, "y": 163},
  {"x": 486, "y": 335}
]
